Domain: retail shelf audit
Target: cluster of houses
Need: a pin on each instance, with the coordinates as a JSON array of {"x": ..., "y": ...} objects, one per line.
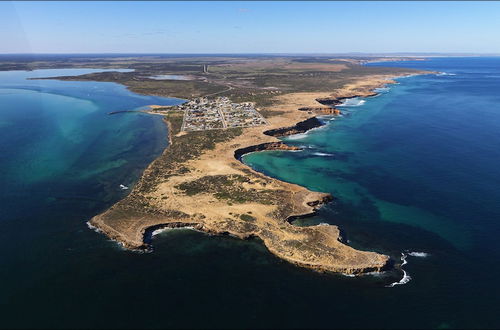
[
  {"x": 201, "y": 114},
  {"x": 204, "y": 114}
]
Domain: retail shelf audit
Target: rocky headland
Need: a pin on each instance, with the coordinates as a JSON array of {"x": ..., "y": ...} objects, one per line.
[{"x": 200, "y": 182}]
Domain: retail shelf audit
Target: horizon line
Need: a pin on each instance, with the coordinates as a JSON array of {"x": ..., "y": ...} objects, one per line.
[{"x": 260, "y": 53}]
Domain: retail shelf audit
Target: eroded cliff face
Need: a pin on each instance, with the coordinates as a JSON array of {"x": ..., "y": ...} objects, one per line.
[
  {"x": 263, "y": 147},
  {"x": 322, "y": 110},
  {"x": 300, "y": 127}
]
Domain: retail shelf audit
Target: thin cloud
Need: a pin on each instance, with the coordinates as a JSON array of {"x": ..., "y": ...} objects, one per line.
[{"x": 151, "y": 33}]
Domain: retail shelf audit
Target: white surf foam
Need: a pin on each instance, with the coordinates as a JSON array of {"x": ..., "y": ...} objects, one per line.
[
  {"x": 94, "y": 228},
  {"x": 374, "y": 274},
  {"x": 352, "y": 102},
  {"x": 403, "y": 259},
  {"x": 406, "y": 76},
  {"x": 348, "y": 275},
  {"x": 418, "y": 254},
  {"x": 446, "y": 74},
  {"x": 159, "y": 231},
  {"x": 406, "y": 277},
  {"x": 296, "y": 136},
  {"x": 119, "y": 244},
  {"x": 165, "y": 229},
  {"x": 322, "y": 154}
]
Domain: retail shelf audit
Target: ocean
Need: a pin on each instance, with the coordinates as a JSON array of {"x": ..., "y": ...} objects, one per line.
[{"x": 414, "y": 172}]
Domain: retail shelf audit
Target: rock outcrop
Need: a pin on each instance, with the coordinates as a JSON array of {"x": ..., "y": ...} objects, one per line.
[
  {"x": 300, "y": 127},
  {"x": 262, "y": 147},
  {"x": 321, "y": 110}
]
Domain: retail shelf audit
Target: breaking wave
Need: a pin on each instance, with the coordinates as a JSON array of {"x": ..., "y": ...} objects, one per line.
[
  {"x": 446, "y": 74},
  {"x": 92, "y": 227},
  {"x": 159, "y": 231},
  {"x": 406, "y": 277},
  {"x": 119, "y": 244},
  {"x": 348, "y": 275},
  {"x": 418, "y": 254},
  {"x": 352, "y": 102},
  {"x": 322, "y": 154},
  {"x": 165, "y": 229},
  {"x": 297, "y": 136}
]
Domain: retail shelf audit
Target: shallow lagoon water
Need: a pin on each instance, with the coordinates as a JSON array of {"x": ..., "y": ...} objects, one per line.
[{"x": 409, "y": 175}]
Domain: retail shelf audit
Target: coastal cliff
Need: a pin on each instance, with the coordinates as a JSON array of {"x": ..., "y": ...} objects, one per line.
[
  {"x": 262, "y": 147},
  {"x": 300, "y": 127},
  {"x": 322, "y": 110}
]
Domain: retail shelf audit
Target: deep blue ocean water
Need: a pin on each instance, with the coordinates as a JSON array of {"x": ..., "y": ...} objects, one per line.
[{"x": 414, "y": 169}]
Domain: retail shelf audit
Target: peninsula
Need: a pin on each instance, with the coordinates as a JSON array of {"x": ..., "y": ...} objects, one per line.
[{"x": 237, "y": 106}]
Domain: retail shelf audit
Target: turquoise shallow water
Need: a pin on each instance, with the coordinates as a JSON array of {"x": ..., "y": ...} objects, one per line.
[
  {"x": 423, "y": 153},
  {"x": 57, "y": 134},
  {"x": 414, "y": 169},
  {"x": 420, "y": 157}
]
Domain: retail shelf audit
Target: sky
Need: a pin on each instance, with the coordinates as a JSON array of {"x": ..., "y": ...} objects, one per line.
[{"x": 249, "y": 27}]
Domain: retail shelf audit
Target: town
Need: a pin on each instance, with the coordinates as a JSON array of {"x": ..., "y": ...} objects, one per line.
[{"x": 206, "y": 114}]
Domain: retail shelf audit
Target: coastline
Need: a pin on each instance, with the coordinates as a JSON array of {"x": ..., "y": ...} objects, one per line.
[{"x": 316, "y": 247}]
